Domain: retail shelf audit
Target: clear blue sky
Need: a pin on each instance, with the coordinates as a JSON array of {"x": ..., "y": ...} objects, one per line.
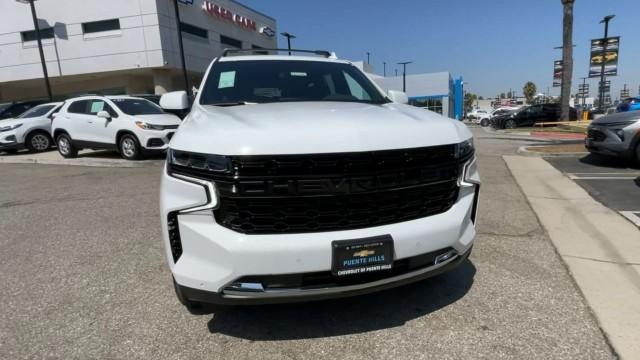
[{"x": 494, "y": 44}]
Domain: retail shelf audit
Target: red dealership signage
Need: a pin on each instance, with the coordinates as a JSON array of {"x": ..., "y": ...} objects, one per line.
[{"x": 228, "y": 15}]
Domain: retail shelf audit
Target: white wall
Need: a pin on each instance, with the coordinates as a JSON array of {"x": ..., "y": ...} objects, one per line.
[{"x": 147, "y": 39}]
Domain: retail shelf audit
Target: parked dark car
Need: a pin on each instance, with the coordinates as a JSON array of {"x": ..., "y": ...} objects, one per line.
[
  {"x": 530, "y": 115},
  {"x": 16, "y": 108}
]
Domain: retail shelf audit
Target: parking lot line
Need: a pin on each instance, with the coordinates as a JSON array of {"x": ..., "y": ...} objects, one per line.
[{"x": 633, "y": 216}]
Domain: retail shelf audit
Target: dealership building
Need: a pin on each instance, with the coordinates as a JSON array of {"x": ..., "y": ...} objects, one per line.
[{"x": 120, "y": 46}]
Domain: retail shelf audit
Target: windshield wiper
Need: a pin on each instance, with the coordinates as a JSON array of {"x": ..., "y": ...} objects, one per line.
[{"x": 234, "y": 103}]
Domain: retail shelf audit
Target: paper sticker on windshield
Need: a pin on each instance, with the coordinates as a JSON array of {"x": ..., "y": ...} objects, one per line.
[
  {"x": 227, "y": 79},
  {"x": 97, "y": 106},
  {"x": 293, "y": 73}
]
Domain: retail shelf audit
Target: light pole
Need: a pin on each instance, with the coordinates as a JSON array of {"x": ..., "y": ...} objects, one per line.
[
  {"x": 404, "y": 74},
  {"x": 384, "y": 69},
  {"x": 181, "y": 48},
  {"x": 42, "y": 60},
  {"x": 601, "y": 89},
  {"x": 368, "y": 57},
  {"x": 289, "y": 37}
]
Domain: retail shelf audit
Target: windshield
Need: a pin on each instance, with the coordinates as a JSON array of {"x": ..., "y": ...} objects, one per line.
[
  {"x": 4, "y": 106},
  {"x": 264, "y": 81},
  {"x": 137, "y": 107},
  {"x": 36, "y": 111}
]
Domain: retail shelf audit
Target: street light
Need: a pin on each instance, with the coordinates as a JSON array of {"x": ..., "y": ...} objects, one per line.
[
  {"x": 289, "y": 37},
  {"x": 181, "y": 48},
  {"x": 42, "y": 60},
  {"x": 384, "y": 69},
  {"x": 368, "y": 57},
  {"x": 604, "y": 21},
  {"x": 404, "y": 74}
]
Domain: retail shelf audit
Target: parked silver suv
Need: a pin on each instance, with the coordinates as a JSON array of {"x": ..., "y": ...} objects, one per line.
[{"x": 616, "y": 135}]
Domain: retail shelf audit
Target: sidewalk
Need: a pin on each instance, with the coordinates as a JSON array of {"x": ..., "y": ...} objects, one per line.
[
  {"x": 85, "y": 158},
  {"x": 600, "y": 248}
]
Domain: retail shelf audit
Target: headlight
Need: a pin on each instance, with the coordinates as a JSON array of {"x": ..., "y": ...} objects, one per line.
[
  {"x": 464, "y": 149},
  {"x": 197, "y": 169},
  {"x": 197, "y": 163},
  {"x": 146, "y": 126},
  {"x": 470, "y": 175},
  {"x": 10, "y": 127}
]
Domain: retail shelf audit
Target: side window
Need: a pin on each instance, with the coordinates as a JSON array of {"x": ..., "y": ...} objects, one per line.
[
  {"x": 78, "y": 107},
  {"x": 99, "y": 105},
  {"x": 355, "y": 89}
]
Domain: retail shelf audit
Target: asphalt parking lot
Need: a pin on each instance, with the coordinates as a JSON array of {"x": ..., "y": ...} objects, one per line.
[
  {"x": 84, "y": 275},
  {"x": 613, "y": 182}
]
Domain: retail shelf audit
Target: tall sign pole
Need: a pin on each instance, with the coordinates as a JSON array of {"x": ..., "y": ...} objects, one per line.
[
  {"x": 604, "y": 53},
  {"x": 39, "y": 38},
  {"x": 181, "y": 47}
]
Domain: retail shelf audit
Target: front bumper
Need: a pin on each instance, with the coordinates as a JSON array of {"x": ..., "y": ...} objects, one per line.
[
  {"x": 212, "y": 256},
  {"x": 610, "y": 144},
  {"x": 155, "y": 140},
  {"x": 323, "y": 293},
  {"x": 9, "y": 141}
]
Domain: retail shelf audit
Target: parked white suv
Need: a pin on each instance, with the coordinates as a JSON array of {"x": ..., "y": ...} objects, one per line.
[
  {"x": 132, "y": 126},
  {"x": 295, "y": 178},
  {"x": 31, "y": 129}
]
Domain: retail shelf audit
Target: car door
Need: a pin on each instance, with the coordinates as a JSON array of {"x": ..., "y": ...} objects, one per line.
[
  {"x": 534, "y": 115},
  {"x": 76, "y": 120},
  {"x": 102, "y": 131}
]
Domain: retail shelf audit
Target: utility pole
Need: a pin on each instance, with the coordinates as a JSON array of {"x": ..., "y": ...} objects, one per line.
[
  {"x": 181, "y": 48},
  {"x": 368, "y": 57},
  {"x": 39, "y": 38},
  {"x": 396, "y": 72},
  {"x": 289, "y": 37},
  {"x": 384, "y": 69},
  {"x": 584, "y": 92},
  {"x": 604, "y": 21},
  {"x": 404, "y": 74}
]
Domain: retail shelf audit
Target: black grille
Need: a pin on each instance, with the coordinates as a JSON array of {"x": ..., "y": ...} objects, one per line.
[
  {"x": 279, "y": 194},
  {"x": 155, "y": 142},
  {"x": 596, "y": 135}
]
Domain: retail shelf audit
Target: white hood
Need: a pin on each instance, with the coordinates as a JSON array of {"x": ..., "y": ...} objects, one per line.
[
  {"x": 313, "y": 127},
  {"x": 159, "y": 119}
]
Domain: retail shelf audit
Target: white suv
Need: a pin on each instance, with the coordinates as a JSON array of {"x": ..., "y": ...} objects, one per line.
[
  {"x": 31, "y": 129},
  {"x": 132, "y": 126},
  {"x": 296, "y": 178}
]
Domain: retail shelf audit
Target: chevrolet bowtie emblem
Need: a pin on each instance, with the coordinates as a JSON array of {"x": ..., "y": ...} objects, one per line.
[{"x": 364, "y": 253}]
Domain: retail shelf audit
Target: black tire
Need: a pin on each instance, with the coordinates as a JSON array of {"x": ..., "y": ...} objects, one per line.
[
  {"x": 38, "y": 141},
  {"x": 129, "y": 147},
  {"x": 510, "y": 124},
  {"x": 65, "y": 147},
  {"x": 484, "y": 122},
  {"x": 190, "y": 305}
]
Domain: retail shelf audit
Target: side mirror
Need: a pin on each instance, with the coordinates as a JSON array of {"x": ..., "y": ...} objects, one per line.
[
  {"x": 176, "y": 100},
  {"x": 398, "y": 97},
  {"x": 103, "y": 114}
]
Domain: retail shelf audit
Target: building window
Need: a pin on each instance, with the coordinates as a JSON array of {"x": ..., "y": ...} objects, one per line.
[
  {"x": 194, "y": 30},
  {"x": 259, "y": 50},
  {"x": 434, "y": 103},
  {"x": 31, "y": 35},
  {"x": 225, "y": 40},
  {"x": 100, "y": 26}
]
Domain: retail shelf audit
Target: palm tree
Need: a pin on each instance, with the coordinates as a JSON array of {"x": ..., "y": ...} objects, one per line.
[{"x": 567, "y": 56}]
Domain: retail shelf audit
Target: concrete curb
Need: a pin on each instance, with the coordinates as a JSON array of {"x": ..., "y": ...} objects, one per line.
[
  {"x": 108, "y": 163},
  {"x": 598, "y": 246},
  {"x": 523, "y": 150}
]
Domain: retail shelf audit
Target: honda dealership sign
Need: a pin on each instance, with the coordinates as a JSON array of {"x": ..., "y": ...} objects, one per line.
[{"x": 604, "y": 51}]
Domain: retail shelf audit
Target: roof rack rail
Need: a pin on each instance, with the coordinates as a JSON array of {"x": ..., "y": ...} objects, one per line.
[{"x": 325, "y": 53}]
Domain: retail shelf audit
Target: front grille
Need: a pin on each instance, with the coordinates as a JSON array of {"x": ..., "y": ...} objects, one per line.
[
  {"x": 280, "y": 194},
  {"x": 596, "y": 135},
  {"x": 155, "y": 142},
  {"x": 325, "y": 279}
]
